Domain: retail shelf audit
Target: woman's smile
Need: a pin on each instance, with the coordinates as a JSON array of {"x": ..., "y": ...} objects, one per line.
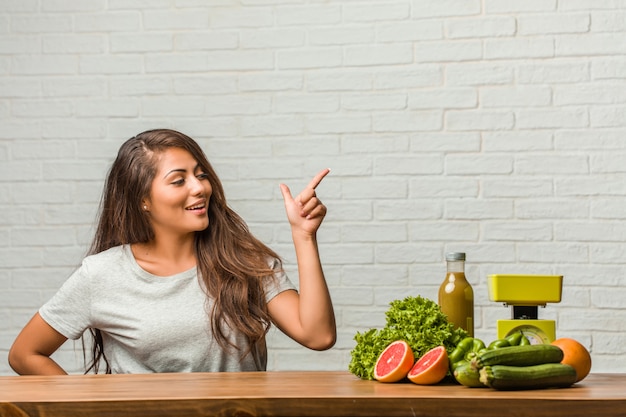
[{"x": 198, "y": 208}]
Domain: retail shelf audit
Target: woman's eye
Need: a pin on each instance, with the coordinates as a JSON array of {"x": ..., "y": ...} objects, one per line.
[
  {"x": 203, "y": 176},
  {"x": 178, "y": 182}
]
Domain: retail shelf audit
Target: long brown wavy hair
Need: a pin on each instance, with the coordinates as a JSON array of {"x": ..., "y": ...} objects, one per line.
[{"x": 231, "y": 262}]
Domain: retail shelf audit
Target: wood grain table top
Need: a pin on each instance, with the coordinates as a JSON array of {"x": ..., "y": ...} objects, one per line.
[{"x": 312, "y": 393}]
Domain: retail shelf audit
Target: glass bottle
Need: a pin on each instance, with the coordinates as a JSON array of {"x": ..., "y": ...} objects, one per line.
[{"x": 456, "y": 297}]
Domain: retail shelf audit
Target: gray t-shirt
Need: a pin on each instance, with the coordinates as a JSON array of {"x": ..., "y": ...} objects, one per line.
[{"x": 148, "y": 323}]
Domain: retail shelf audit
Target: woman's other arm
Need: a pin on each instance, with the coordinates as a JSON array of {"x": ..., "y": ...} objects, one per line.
[{"x": 30, "y": 353}]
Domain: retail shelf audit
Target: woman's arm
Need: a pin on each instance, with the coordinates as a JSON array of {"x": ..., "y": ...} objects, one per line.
[
  {"x": 30, "y": 353},
  {"x": 307, "y": 316}
]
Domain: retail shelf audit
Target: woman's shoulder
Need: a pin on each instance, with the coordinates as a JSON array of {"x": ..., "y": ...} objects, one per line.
[
  {"x": 106, "y": 267},
  {"x": 113, "y": 252},
  {"x": 116, "y": 255}
]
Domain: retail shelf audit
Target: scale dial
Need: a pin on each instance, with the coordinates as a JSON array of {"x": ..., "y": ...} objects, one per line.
[{"x": 534, "y": 334}]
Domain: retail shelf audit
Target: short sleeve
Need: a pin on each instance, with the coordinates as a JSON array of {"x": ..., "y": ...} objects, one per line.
[
  {"x": 280, "y": 283},
  {"x": 68, "y": 311}
]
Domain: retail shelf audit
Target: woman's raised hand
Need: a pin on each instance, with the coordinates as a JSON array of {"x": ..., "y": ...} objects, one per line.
[{"x": 305, "y": 211}]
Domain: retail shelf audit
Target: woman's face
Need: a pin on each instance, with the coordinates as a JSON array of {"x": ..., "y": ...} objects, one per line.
[{"x": 179, "y": 197}]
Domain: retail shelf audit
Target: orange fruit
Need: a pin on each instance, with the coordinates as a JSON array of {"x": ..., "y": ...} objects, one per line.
[
  {"x": 575, "y": 355},
  {"x": 430, "y": 368},
  {"x": 394, "y": 362}
]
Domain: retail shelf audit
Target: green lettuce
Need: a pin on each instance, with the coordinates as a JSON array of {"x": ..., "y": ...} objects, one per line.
[{"x": 416, "y": 320}]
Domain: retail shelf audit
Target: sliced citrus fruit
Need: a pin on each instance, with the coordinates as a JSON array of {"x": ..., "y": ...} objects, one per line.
[
  {"x": 394, "y": 362},
  {"x": 575, "y": 355},
  {"x": 430, "y": 368}
]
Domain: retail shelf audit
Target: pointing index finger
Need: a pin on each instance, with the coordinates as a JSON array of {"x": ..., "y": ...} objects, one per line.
[{"x": 318, "y": 178}]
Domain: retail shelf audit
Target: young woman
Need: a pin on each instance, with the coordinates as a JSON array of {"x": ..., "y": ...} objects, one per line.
[{"x": 174, "y": 280}]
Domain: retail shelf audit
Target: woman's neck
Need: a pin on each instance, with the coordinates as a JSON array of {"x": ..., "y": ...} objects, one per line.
[{"x": 165, "y": 257}]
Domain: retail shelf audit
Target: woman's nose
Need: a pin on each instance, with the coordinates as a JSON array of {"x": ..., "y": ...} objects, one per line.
[{"x": 196, "y": 187}]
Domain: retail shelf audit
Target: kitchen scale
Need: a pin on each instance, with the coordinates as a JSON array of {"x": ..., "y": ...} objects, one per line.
[{"x": 525, "y": 294}]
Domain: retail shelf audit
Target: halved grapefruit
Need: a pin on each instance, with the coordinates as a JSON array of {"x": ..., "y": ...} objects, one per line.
[
  {"x": 430, "y": 368},
  {"x": 394, "y": 363}
]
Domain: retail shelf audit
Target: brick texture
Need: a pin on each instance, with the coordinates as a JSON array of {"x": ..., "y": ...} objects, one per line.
[{"x": 493, "y": 127}]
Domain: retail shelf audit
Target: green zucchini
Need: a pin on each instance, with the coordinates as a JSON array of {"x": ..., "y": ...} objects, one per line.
[
  {"x": 547, "y": 375},
  {"x": 524, "y": 355}
]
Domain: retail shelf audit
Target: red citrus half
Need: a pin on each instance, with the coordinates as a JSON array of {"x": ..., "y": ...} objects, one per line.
[
  {"x": 430, "y": 368},
  {"x": 394, "y": 362}
]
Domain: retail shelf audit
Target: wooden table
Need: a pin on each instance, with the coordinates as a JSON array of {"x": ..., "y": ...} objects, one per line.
[{"x": 294, "y": 394}]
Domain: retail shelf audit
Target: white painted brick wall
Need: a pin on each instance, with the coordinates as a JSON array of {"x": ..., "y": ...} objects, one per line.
[{"x": 494, "y": 127}]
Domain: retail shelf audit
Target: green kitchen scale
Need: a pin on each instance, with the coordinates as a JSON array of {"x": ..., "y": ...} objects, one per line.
[{"x": 525, "y": 294}]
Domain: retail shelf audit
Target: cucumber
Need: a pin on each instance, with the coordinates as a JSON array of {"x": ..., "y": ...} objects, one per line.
[
  {"x": 467, "y": 376},
  {"x": 524, "y": 355},
  {"x": 547, "y": 375}
]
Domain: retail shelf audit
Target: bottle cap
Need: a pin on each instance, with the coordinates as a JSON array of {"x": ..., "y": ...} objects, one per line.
[{"x": 455, "y": 256}]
